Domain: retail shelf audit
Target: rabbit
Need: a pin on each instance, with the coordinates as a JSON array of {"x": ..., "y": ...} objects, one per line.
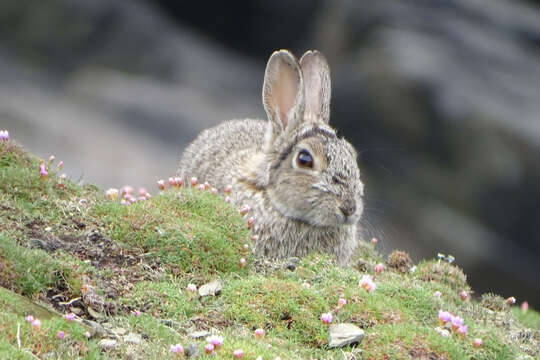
[{"x": 300, "y": 180}]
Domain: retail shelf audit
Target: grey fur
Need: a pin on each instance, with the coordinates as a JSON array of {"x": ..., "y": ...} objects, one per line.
[{"x": 296, "y": 208}]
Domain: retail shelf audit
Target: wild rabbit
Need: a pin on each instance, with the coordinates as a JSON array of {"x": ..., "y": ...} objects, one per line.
[{"x": 301, "y": 182}]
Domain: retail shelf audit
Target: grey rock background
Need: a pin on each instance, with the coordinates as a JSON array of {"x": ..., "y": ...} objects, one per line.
[{"x": 441, "y": 98}]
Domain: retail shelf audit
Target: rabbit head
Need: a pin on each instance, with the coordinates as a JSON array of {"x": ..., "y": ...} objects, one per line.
[{"x": 308, "y": 172}]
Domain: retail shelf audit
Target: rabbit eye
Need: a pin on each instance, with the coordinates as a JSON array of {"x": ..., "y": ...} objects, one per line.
[{"x": 304, "y": 159}]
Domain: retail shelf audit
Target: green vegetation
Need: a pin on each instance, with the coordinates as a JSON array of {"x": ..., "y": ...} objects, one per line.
[{"x": 68, "y": 247}]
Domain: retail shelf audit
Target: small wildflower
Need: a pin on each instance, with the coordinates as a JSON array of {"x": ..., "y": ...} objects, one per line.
[
  {"x": 437, "y": 294},
  {"x": 227, "y": 199},
  {"x": 511, "y": 300},
  {"x": 178, "y": 181},
  {"x": 141, "y": 198},
  {"x": 228, "y": 189},
  {"x": 172, "y": 183},
  {"x": 208, "y": 348},
  {"x": 254, "y": 237},
  {"x": 4, "y": 135},
  {"x": 177, "y": 349},
  {"x": 161, "y": 184},
  {"x": 524, "y": 306},
  {"x": 206, "y": 185},
  {"x": 246, "y": 247},
  {"x": 259, "y": 332},
  {"x": 374, "y": 241},
  {"x": 341, "y": 302},
  {"x": 379, "y": 268},
  {"x": 69, "y": 316},
  {"x": 142, "y": 192},
  {"x": 112, "y": 194},
  {"x": 194, "y": 181},
  {"x": 326, "y": 318},
  {"x": 63, "y": 177},
  {"x": 127, "y": 190},
  {"x": 29, "y": 318},
  {"x": 243, "y": 262},
  {"x": 215, "y": 340},
  {"x": 367, "y": 283},
  {"x": 456, "y": 322},
  {"x": 51, "y": 159},
  {"x": 192, "y": 288},
  {"x": 477, "y": 343},
  {"x": 88, "y": 335},
  {"x": 238, "y": 353},
  {"x": 43, "y": 171},
  {"x": 444, "y": 317},
  {"x": 214, "y": 191},
  {"x": 60, "y": 165},
  {"x": 244, "y": 209},
  {"x": 136, "y": 313},
  {"x": 250, "y": 222},
  {"x": 200, "y": 187},
  {"x": 306, "y": 285},
  {"x": 148, "y": 196},
  {"x": 60, "y": 335},
  {"x": 462, "y": 330},
  {"x": 36, "y": 324},
  {"x": 464, "y": 295}
]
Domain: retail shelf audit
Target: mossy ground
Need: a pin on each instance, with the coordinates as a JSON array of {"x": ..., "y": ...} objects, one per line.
[{"x": 68, "y": 247}]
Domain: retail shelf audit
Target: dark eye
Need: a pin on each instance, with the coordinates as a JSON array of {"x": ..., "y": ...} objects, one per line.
[{"x": 304, "y": 159}]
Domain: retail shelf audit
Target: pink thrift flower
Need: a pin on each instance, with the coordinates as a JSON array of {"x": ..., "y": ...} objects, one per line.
[
  {"x": 87, "y": 335},
  {"x": 29, "y": 318},
  {"x": 60, "y": 335},
  {"x": 259, "y": 332},
  {"x": 326, "y": 318},
  {"x": 136, "y": 313},
  {"x": 177, "y": 349},
  {"x": 172, "y": 183},
  {"x": 142, "y": 192},
  {"x": 462, "y": 330},
  {"x": 227, "y": 199},
  {"x": 208, "y": 348},
  {"x": 69, "y": 317},
  {"x": 477, "y": 343},
  {"x": 148, "y": 196},
  {"x": 200, "y": 187},
  {"x": 464, "y": 295},
  {"x": 36, "y": 324},
  {"x": 4, "y": 135},
  {"x": 63, "y": 177},
  {"x": 161, "y": 184},
  {"x": 228, "y": 189},
  {"x": 250, "y": 222},
  {"x": 214, "y": 191},
  {"x": 524, "y": 306},
  {"x": 194, "y": 181},
  {"x": 60, "y": 165},
  {"x": 374, "y": 241},
  {"x": 254, "y": 237},
  {"x": 437, "y": 294},
  {"x": 206, "y": 185},
  {"x": 238, "y": 353},
  {"x": 51, "y": 159},
  {"x": 243, "y": 262},
  {"x": 379, "y": 268},
  {"x": 244, "y": 209},
  {"x": 127, "y": 190},
  {"x": 215, "y": 340},
  {"x": 341, "y": 302},
  {"x": 511, "y": 300},
  {"x": 456, "y": 322},
  {"x": 112, "y": 194},
  {"x": 192, "y": 288},
  {"x": 42, "y": 171},
  {"x": 367, "y": 283},
  {"x": 444, "y": 317}
]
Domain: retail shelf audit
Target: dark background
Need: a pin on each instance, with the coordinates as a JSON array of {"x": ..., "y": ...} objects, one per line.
[{"x": 441, "y": 98}]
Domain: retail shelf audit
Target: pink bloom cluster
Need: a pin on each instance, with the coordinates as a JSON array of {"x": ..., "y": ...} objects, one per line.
[
  {"x": 4, "y": 135},
  {"x": 326, "y": 318},
  {"x": 214, "y": 343},
  {"x": 177, "y": 349},
  {"x": 455, "y": 322},
  {"x": 367, "y": 283}
]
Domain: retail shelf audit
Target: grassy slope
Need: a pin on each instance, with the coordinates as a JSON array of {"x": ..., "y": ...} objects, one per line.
[{"x": 60, "y": 241}]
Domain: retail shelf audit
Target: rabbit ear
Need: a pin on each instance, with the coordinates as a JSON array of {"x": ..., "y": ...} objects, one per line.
[
  {"x": 316, "y": 75},
  {"x": 283, "y": 91}
]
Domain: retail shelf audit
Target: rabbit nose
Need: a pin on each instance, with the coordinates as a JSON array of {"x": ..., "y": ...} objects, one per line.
[{"x": 348, "y": 207}]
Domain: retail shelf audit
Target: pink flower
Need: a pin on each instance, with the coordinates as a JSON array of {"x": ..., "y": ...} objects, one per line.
[
  {"x": 42, "y": 171},
  {"x": 178, "y": 181},
  {"x": 194, "y": 181},
  {"x": 379, "y": 268},
  {"x": 456, "y": 322},
  {"x": 214, "y": 190},
  {"x": 259, "y": 332},
  {"x": 142, "y": 192},
  {"x": 63, "y": 177},
  {"x": 524, "y": 306},
  {"x": 462, "y": 330},
  {"x": 374, "y": 241},
  {"x": 341, "y": 302},
  {"x": 148, "y": 196},
  {"x": 60, "y": 335},
  {"x": 250, "y": 222},
  {"x": 127, "y": 189},
  {"x": 254, "y": 237},
  {"x": 464, "y": 295},
  {"x": 29, "y": 318},
  {"x": 511, "y": 300},
  {"x": 444, "y": 317},
  {"x": 306, "y": 285},
  {"x": 69, "y": 317},
  {"x": 59, "y": 166},
  {"x": 477, "y": 343},
  {"x": 4, "y": 135},
  {"x": 326, "y": 318},
  {"x": 136, "y": 313},
  {"x": 227, "y": 199},
  {"x": 36, "y": 324},
  {"x": 112, "y": 194},
  {"x": 238, "y": 353},
  {"x": 87, "y": 335},
  {"x": 177, "y": 349},
  {"x": 200, "y": 187},
  {"x": 228, "y": 189},
  {"x": 243, "y": 262},
  {"x": 206, "y": 185},
  {"x": 437, "y": 294},
  {"x": 192, "y": 288},
  {"x": 51, "y": 159},
  {"x": 215, "y": 340},
  {"x": 208, "y": 348},
  {"x": 244, "y": 209},
  {"x": 172, "y": 183},
  {"x": 367, "y": 283},
  {"x": 161, "y": 184},
  {"x": 246, "y": 247}
]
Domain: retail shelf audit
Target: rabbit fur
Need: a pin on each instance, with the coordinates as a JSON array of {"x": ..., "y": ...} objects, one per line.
[{"x": 299, "y": 179}]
